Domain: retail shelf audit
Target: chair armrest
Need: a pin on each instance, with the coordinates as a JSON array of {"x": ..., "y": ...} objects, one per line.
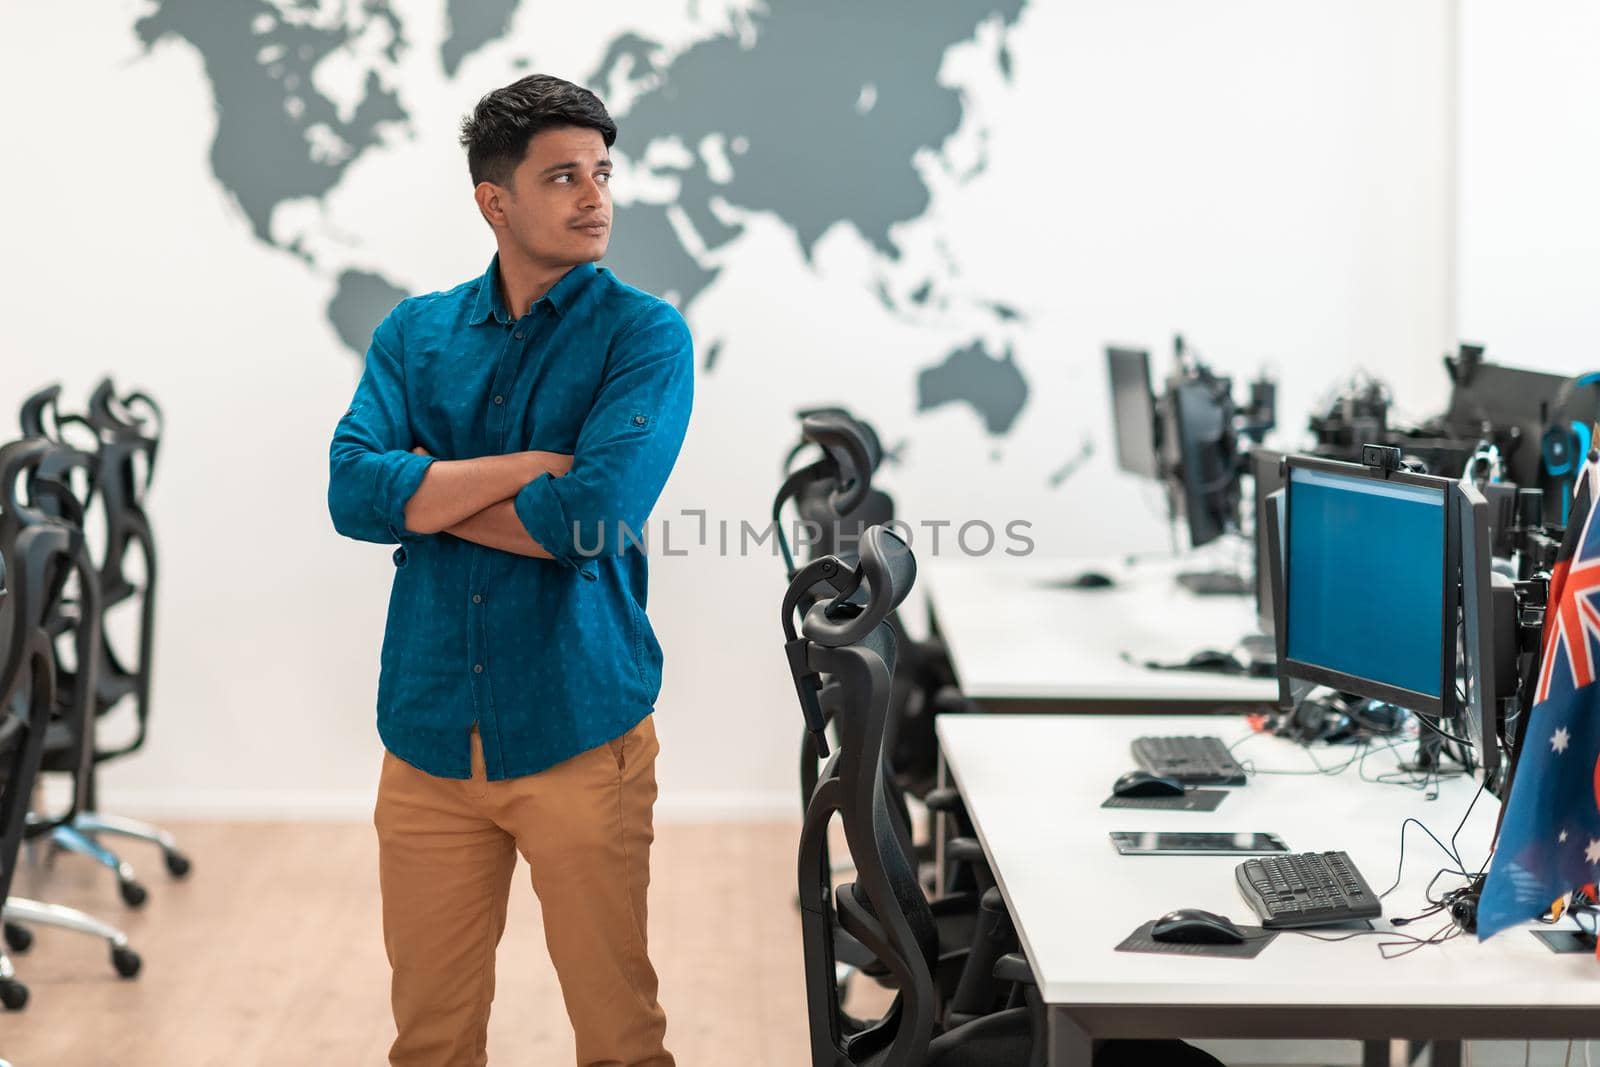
[
  {"x": 965, "y": 850},
  {"x": 1013, "y": 967}
]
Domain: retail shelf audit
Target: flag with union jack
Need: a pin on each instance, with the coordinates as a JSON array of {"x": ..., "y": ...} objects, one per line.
[{"x": 1549, "y": 841}]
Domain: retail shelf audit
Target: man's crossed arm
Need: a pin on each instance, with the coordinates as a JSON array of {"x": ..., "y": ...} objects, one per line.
[{"x": 473, "y": 499}]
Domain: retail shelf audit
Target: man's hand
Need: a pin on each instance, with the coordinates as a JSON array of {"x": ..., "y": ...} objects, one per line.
[
  {"x": 497, "y": 526},
  {"x": 554, "y": 463},
  {"x": 452, "y": 491}
]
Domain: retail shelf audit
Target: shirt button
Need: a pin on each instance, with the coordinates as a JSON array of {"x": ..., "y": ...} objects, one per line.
[
  {"x": 499, "y": 400},
  {"x": 477, "y": 668},
  {"x": 517, "y": 335},
  {"x": 638, "y": 420},
  {"x": 477, "y": 598}
]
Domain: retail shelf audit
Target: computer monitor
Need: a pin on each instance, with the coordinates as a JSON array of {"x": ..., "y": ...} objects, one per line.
[
  {"x": 1425, "y": 622},
  {"x": 1277, "y": 520},
  {"x": 1479, "y": 657},
  {"x": 1514, "y": 403},
  {"x": 1133, "y": 410},
  {"x": 1370, "y": 583},
  {"x": 1266, "y": 472},
  {"x": 1201, "y": 454}
]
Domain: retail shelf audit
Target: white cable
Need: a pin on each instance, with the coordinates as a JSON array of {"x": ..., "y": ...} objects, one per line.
[{"x": 1568, "y": 1061}]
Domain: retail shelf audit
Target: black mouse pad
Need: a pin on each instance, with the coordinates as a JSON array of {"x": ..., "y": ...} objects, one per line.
[
  {"x": 1256, "y": 939},
  {"x": 1565, "y": 940},
  {"x": 1193, "y": 800}
]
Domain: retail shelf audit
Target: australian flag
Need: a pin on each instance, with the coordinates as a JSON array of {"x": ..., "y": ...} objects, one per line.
[{"x": 1549, "y": 842}]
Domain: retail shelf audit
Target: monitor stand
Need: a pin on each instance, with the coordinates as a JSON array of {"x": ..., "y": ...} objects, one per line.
[
  {"x": 1215, "y": 583},
  {"x": 1430, "y": 757}
]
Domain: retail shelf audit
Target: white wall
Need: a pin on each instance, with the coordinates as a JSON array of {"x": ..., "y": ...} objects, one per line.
[
  {"x": 1530, "y": 182},
  {"x": 1273, "y": 180}
]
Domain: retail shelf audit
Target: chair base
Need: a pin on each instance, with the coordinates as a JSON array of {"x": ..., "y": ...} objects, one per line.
[
  {"x": 13, "y": 997},
  {"x": 34, "y": 912},
  {"x": 93, "y": 823},
  {"x": 71, "y": 838}
]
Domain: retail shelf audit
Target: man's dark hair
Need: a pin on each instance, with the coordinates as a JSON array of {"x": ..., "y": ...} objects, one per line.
[{"x": 497, "y": 133}]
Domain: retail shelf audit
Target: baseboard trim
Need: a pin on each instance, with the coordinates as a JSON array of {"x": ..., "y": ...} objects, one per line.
[{"x": 349, "y": 805}]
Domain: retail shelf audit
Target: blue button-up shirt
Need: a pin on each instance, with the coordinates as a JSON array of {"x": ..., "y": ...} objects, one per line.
[{"x": 548, "y": 657}]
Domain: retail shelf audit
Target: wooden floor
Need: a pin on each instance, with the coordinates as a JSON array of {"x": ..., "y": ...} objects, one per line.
[{"x": 271, "y": 952}]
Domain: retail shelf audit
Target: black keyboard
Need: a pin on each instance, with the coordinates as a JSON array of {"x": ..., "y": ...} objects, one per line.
[
  {"x": 1191, "y": 760},
  {"x": 1306, "y": 889}
]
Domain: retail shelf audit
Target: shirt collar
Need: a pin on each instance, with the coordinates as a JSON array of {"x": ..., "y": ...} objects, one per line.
[
  {"x": 490, "y": 304},
  {"x": 562, "y": 294}
]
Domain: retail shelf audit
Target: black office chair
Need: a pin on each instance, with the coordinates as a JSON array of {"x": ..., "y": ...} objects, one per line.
[
  {"x": 44, "y": 554},
  {"x": 835, "y": 494},
  {"x": 27, "y": 691},
  {"x": 845, "y": 638},
  {"x": 125, "y": 435}
]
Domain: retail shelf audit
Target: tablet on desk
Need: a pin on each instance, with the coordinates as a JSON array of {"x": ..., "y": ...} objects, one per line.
[{"x": 1135, "y": 843}]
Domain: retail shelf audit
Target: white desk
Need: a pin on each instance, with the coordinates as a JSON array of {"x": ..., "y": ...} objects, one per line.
[
  {"x": 1013, "y": 638},
  {"x": 1033, "y": 785}
]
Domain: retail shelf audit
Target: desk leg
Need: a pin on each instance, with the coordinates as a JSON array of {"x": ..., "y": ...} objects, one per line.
[
  {"x": 941, "y": 829},
  {"x": 1445, "y": 1054},
  {"x": 1375, "y": 1054},
  {"x": 1070, "y": 1044}
]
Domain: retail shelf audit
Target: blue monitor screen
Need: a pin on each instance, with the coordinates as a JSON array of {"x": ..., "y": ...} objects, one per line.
[{"x": 1366, "y": 578}]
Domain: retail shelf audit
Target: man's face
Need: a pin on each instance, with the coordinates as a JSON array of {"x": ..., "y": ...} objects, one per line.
[{"x": 558, "y": 207}]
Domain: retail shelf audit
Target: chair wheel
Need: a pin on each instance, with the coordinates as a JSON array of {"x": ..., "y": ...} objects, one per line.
[
  {"x": 13, "y": 994},
  {"x": 177, "y": 864},
  {"x": 19, "y": 939},
  {"x": 133, "y": 894},
  {"x": 126, "y": 961}
]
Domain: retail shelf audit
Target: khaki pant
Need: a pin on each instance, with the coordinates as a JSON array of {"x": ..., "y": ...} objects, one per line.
[{"x": 446, "y": 851}]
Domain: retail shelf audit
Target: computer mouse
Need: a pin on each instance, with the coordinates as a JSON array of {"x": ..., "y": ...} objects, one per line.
[
  {"x": 1211, "y": 659},
  {"x": 1191, "y": 926},
  {"x": 1091, "y": 580},
  {"x": 1145, "y": 784}
]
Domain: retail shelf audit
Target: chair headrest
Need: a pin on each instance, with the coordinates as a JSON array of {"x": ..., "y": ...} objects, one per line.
[
  {"x": 34, "y": 408},
  {"x": 853, "y": 449},
  {"x": 103, "y": 407},
  {"x": 17, "y": 461},
  {"x": 885, "y": 568},
  {"x": 117, "y": 415}
]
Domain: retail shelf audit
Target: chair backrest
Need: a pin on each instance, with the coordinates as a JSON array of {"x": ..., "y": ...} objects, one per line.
[
  {"x": 846, "y": 638},
  {"x": 833, "y": 495},
  {"x": 117, "y": 464},
  {"x": 126, "y": 442},
  {"x": 29, "y": 563},
  {"x": 50, "y": 516}
]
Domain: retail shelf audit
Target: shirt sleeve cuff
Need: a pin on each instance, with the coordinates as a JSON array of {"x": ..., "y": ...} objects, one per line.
[
  {"x": 538, "y": 505},
  {"x": 398, "y": 480}
]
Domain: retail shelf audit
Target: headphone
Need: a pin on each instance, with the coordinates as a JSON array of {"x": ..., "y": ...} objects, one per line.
[{"x": 1564, "y": 443}]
